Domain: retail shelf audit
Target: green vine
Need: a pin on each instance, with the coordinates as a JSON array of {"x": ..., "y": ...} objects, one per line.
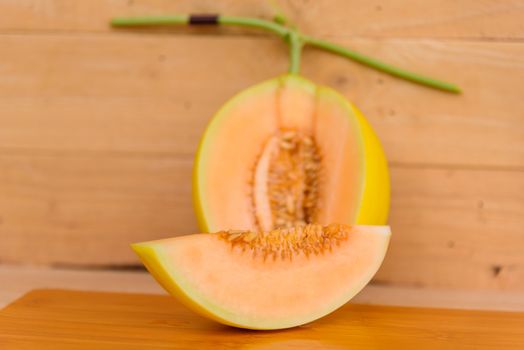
[
  {"x": 295, "y": 40},
  {"x": 295, "y": 51}
]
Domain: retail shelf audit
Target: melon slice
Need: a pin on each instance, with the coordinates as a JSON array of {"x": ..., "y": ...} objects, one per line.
[
  {"x": 279, "y": 279},
  {"x": 287, "y": 152}
]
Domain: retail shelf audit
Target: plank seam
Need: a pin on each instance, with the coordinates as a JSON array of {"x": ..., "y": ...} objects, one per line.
[{"x": 246, "y": 35}]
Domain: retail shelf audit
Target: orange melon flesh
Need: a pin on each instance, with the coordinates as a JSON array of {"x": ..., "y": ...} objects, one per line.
[
  {"x": 340, "y": 144},
  {"x": 296, "y": 99},
  {"x": 355, "y": 179},
  {"x": 228, "y": 284},
  {"x": 227, "y": 157}
]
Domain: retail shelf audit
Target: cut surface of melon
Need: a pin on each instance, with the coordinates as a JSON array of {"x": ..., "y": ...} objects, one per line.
[
  {"x": 287, "y": 152},
  {"x": 258, "y": 281}
]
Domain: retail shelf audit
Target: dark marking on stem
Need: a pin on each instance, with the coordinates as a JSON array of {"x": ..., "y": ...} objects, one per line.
[{"x": 203, "y": 19}]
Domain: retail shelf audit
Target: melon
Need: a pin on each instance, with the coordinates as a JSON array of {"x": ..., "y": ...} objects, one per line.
[
  {"x": 287, "y": 152},
  {"x": 267, "y": 280}
]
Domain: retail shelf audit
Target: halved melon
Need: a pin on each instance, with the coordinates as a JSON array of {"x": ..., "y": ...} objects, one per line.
[
  {"x": 287, "y": 152},
  {"x": 278, "y": 279}
]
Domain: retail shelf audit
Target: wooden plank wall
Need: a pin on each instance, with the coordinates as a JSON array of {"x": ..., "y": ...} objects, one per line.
[{"x": 98, "y": 127}]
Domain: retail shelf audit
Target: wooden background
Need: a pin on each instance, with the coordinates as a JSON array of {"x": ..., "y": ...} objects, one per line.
[{"x": 98, "y": 127}]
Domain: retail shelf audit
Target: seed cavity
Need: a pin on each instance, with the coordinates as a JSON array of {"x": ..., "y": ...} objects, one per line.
[
  {"x": 286, "y": 181},
  {"x": 284, "y": 243}
]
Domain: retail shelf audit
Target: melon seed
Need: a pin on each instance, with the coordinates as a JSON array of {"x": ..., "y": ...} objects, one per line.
[
  {"x": 286, "y": 242},
  {"x": 292, "y": 181}
]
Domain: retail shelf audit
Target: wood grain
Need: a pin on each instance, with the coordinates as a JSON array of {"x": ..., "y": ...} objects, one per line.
[
  {"x": 466, "y": 19},
  {"x": 87, "y": 208},
  {"x": 55, "y": 319},
  {"x": 458, "y": 228},
  {"x": 462, "y": 227},
  {"x": 135, "y": 93},
  {"x": 98, "y": 126}
]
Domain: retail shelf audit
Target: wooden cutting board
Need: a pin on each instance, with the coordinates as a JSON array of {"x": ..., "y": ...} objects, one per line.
[{"x": 59, "y": 319}]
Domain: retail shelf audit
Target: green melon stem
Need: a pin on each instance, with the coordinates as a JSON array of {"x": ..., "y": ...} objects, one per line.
[
  {"x": 295, "y": 51},
  {"x": 381, "y": 66},
  {"x": 149, "y": 21},
  {"x": 295, "y": 40},
  {"x": 257, "y": 23}
]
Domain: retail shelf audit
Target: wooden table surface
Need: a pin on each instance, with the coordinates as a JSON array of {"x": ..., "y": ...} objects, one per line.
[{"x": 57, "y": 319}]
